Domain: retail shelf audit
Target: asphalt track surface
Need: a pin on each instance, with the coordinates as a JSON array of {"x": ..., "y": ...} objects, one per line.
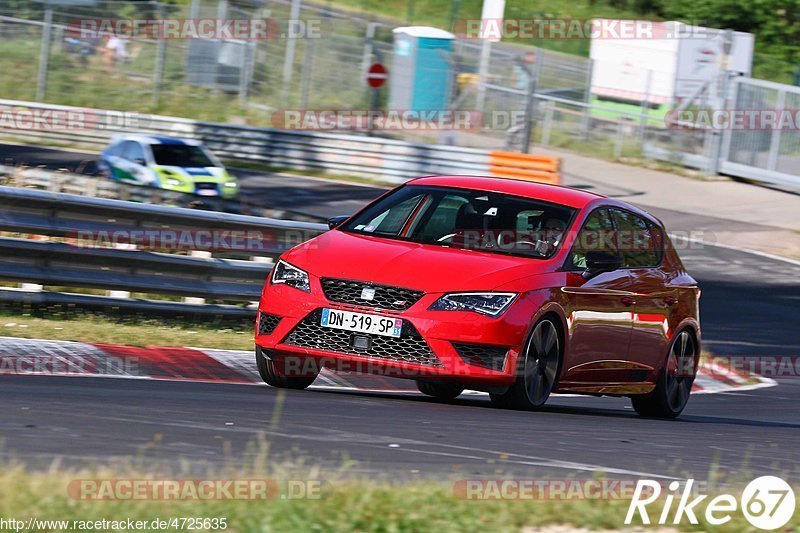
[{"x": 750, "y": 306}]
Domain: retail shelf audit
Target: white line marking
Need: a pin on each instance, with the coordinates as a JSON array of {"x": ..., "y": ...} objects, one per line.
[{"x": 736, "y": 248}]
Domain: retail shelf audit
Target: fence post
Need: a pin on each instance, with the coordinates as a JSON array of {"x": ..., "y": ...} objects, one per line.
[
  {"x": 483, "y": 73},
  {"x": 161, "y": 53},
  {"x": 530, "y": 104},
  {"x": 308, "y": 69},
  {"x": 288, "y": 58},
  {"x": 775, "y": 138},
  {"x": 620, "y": 137},
  {"x": 587, "y": 111},
  {"x": 715, "y": 136},
  {"x": 369, "y": 50},
  {"x": 246, "y": 73},
  {"x": 548, "y": 123},
  {"x": 645, "y": 107},
  {"x": 44, "y": 53}
]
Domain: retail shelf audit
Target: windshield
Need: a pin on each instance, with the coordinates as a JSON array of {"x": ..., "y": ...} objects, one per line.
[
  {"x": 180, "y": 155},
  {"x": 467, "y": 219}
]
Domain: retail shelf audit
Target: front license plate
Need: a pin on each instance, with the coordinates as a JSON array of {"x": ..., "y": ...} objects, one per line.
[{"x": 361, "y": 323}]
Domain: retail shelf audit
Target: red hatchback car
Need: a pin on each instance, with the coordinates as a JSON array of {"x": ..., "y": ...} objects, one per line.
[{"x": 515, "y": 288}]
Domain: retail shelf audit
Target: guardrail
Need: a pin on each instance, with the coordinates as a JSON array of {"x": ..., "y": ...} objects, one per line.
[
  {"x": 66, "y": 182},
  {"x": 390, "y": 160},
  {"x": 98, "y": 243}
]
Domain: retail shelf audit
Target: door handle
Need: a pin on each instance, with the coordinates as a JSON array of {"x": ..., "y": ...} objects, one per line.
[
  {"x": 670, "y": 300},
  {"x": 628, "y": 301}
]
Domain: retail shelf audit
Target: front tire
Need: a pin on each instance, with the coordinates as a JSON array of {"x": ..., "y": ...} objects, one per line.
[
  {"x": 537, "y": 370},
  {"x": 441, "y": 391},
  {"x": 674, "y": 384},
  {"x": 273, "y": 373}
]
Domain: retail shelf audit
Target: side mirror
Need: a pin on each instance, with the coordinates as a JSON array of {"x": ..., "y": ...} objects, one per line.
[
  {"x": 336, "y": 221},
  {"x": 140, "y": 161},
  {"x": 598, "y": 262}
]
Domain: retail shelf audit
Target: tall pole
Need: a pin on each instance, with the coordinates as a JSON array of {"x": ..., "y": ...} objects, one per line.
[
  {"x": 291, "y": 44},
  {"x": 483, "y": 71},
  {"x": 530, "y": 104},
  {"x": 492, "y": 10}
]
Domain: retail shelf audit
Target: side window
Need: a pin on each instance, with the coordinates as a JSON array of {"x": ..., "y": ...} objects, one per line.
[
  {"x": 597, "y": 234},
  {"x": 132, "y": 151},
  {"x": 639, "y": 241}
]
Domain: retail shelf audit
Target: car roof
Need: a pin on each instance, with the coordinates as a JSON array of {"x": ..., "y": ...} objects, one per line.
[
  {"x": 155, "y": 139},
  {"x": 529, "y": 189}
]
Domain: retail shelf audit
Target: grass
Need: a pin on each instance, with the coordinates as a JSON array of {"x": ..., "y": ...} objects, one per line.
[
  {"x": 129, "y": 331},
  {"x": 341, "y": 503}
]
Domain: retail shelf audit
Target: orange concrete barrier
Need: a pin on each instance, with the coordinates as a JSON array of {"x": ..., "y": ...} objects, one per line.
[{"x": 525, "y": 167}]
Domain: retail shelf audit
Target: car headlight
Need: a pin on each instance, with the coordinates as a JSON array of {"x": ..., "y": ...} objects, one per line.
[
  {"x": 485, "y": 303},
  {"x": 231, "y": 184},
  {"x": 290, "y": 275}
]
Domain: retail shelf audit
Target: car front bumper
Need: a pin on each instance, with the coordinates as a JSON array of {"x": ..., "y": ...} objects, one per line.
[{"x": 449, "y": 345}]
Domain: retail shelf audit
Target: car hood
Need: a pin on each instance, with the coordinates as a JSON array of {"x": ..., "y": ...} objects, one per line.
[
  {"x": 425, "y": 267},
  {"x": 209, "y": 174}
]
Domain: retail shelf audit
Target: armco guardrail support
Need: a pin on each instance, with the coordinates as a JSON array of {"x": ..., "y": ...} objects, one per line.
[{"x": 81, "y": 220}]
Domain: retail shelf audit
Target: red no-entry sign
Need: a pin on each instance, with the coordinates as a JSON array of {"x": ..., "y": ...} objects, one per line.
[{"x": 376, "y": 76}]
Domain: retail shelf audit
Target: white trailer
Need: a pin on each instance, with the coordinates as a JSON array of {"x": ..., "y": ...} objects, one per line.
[{"x": 667, "y": 65}]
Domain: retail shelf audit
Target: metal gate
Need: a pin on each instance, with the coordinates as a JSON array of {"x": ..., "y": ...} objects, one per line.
[{"x": 770, "y": 155}]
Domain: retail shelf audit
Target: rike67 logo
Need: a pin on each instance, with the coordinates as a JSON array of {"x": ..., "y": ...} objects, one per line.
[{"x": 767, "y": 502}]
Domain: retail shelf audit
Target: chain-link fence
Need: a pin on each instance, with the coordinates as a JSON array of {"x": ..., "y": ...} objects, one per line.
[{"x": 314, "y": 57}]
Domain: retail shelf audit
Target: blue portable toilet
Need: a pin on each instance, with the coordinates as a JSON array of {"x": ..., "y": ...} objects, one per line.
[{"x": 420, "y": 75}]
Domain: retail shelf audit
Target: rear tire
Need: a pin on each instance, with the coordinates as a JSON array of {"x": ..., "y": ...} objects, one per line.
[
  {"x": 273, "y": 373},
  {"x": 674, "y": 384},
  {"x": 537, "y": 370},
  {"x": 442, "y": 391}
]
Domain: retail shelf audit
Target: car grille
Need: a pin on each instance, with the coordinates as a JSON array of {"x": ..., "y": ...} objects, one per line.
[
  {"x": 483, "y": 355},
  {"x": 410, "y": 347},
  {"x": 386, "y": 297},
  {"x": 267, "y": 323},
  {"x": 204, "y": 186}
]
